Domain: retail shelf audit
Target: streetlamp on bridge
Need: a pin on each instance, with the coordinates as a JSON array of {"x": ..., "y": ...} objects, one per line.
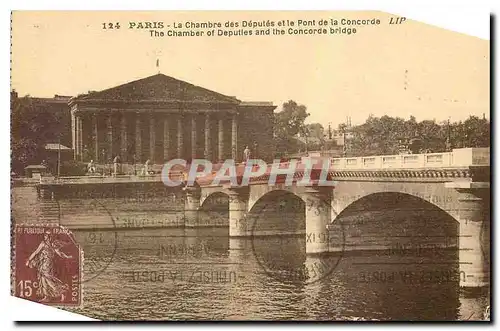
[
  {"x": 104, "y": 169},
  {"x": 343, "y": 128},
  {"x": 135, "y": 162},
  {"x": 448, "y": 136}
]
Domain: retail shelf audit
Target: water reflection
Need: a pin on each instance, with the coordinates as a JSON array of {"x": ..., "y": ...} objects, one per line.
[{"x": 202, "y": 274}]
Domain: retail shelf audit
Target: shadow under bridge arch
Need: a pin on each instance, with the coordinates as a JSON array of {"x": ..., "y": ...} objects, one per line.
[
  {"x": 278, "y": 212},
  {"x": 398, "y": 246},
  {"x": 214, "y": 210},
  {"x": 396, "y": 222}
]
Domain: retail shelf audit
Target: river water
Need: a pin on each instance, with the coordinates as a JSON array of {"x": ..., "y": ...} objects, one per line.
[{"x": 202, "y": 274}]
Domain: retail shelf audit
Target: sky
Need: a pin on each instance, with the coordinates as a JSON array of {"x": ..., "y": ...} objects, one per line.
[{"x": 397, "y": 70}]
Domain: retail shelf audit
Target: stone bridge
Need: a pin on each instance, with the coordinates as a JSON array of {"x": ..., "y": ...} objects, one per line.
[
  {"x": 448, "y": 195},
  {"x": 455, "y": 184}
]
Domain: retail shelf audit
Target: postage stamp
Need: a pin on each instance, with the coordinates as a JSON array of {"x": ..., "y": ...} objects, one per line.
[{"x": 47, "y": 265}]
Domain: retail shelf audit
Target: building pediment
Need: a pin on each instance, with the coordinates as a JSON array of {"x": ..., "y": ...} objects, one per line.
[{"x": 157, "y": 88}]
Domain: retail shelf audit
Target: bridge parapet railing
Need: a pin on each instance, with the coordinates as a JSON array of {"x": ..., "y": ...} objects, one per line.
[
  {"x": 101, "y": 179},
  {"x": 458, "y": 157},
  {"x": 390, "y": 161},
  {"x": 471, "y": 156}
]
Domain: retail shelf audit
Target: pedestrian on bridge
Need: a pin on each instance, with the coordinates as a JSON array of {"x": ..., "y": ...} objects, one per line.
[
  {"x": 145, "y": 170},
  {"x": 116, "y": 163},
  {"x": 246, "y": 154},
  {"x": 91, "y": 167}
]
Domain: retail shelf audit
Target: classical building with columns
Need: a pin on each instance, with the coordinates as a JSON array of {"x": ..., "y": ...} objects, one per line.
[{"x": 161, "y": 118}]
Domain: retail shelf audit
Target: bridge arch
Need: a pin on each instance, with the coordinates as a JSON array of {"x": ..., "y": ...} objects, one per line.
[
  {"x": 278, "y": 211},
  {"x": 214, "y": 199},
  {"x": 257, "y": 192},
  {"x": 385, "y": 220},
  {"x": 435, "y": 194},
  {"x": 277, "y": 195},
  {"x": 214, "y": 209}
]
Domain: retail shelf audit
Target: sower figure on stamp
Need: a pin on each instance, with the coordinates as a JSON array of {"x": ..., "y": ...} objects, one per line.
[{"x": 49, "y": 286}]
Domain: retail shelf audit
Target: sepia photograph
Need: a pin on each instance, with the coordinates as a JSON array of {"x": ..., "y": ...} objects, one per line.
[{"x": 249, "y": 166}]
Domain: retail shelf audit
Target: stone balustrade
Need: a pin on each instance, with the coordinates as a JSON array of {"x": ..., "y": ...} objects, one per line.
[
  {"x": 175, "y": 175},
  {"x": 461, "y": 157}
]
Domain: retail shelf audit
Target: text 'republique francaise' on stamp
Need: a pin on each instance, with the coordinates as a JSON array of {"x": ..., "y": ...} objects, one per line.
[{"x": 47, "y": 265}]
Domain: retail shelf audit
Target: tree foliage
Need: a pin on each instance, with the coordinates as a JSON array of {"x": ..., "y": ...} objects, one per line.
[
  {"x": 383, "y": 135},
  {"x": 316, "y": 131},
  {"x": 315, "y": 136},
  {"x": 33, "y": 124},
  {"x": 390, "y": 135},
  {"x": 288, "y": 124}
]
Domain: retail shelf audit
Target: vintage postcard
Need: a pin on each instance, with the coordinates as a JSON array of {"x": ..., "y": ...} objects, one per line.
[{"x": 305, "y": 165}]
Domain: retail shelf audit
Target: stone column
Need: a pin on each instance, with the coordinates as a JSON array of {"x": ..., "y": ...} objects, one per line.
[
  {"x": 109, "y": 121},
  {"x": 318, "y": 205},
  {"x": 152, "y": 138},
  {"x": 238, "y": 198},
  {"x": 472, "y": 211},
  {"x": 208, "y": 147},
  {"x": 138, "y": 138},
  {"x": 191, "y": 205},
  {"x": 166, "y": 139},
  {"x": 180, "y": 137},
  {"x": 123, "y": 139},
  {"x": 73, "y": 134},
  {"x": 474, "y": 237},
  {"x": 221, "y": 138},
  {"x": 234, "y": 137},
  {"x": 80, "y": 137},
  {"x": 193, "y": 136},
  {"x": 95, "y": 130},
  {"x": 77, "y": 137}
]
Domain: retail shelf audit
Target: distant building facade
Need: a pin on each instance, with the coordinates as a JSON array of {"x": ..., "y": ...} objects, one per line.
[
  {"x": 159, "y": 118},
  {"x": 343, "y": 134}
]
